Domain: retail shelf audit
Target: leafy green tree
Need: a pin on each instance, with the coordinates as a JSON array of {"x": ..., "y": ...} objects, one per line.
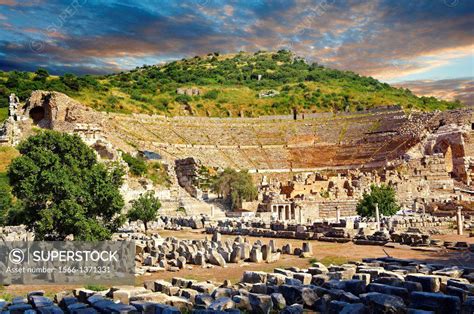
[
  {"x": 145, "y": 208},
  {"x": 41, "y": 75},
  {"x": 71, "y": 81},
  {"x": 235, "y": 187},
  {"x": 136, "y": 165},
  {"x": 382, "y": 195},
  {"x": 64, "y": 190}
]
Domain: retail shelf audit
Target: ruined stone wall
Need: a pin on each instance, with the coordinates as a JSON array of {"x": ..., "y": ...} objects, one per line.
[{"x": 327, "y": 209}]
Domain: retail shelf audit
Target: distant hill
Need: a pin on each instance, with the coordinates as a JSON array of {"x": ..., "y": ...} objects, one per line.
[{"x": 252, "y": 84}]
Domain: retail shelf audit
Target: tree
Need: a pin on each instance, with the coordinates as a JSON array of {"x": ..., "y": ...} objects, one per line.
[
  {"x": 64, "y": 190},
  {"x": 71, "y": 81},
  {"x": 235, "y": 187},
  {"x": 145, "y": 208},
  {"x": 41, "y": 75},
  {"x": 382, "y": 195}
]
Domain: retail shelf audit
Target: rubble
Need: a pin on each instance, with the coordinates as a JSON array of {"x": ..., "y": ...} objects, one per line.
[{"x": 387, "y": 287}]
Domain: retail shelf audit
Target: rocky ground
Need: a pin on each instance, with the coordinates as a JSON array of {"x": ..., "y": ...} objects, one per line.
[{"x": 374, "y": 285}]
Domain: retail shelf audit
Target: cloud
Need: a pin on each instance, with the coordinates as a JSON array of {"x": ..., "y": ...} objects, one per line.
[
  {"x": 385, "y": 39},
  {"x": 450, "y": 89}
]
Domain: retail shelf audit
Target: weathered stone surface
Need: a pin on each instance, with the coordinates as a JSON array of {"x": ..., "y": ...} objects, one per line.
[
  {"x": 254, "y": 277},
  {"x": 383, "y": 303},
  {"x": 436, "y": 302},
  {"x": 260, "y": 303}
]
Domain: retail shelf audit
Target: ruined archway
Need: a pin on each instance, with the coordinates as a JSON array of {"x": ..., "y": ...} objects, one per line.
[
  {"x": 37, "y": 114},
  {"x": 448, "y": 160}
]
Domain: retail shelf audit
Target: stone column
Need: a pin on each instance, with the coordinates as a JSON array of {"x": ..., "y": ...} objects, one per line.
[
  {"x": 300, "y": 210},
  {"x": 459, "y": 221},
  {"x": 377, "y": 217},
  {"x": 338, "y": 214}
]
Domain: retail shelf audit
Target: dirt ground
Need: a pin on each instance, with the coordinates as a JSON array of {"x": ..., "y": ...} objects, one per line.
[{"x": 325, "y": 252}]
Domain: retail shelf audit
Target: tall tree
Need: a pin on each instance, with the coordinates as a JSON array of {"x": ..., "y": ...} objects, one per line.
[
  {"x": 145, "y": 208},
  {"x": 235, "y": 187},
  {"x": 382, "y": 195},
  {"x": 64, "y": 190}
]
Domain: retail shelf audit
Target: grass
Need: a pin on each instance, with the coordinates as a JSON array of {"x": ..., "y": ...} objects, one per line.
[
  {"x": 7, "y": 154},
  {"x": 334, "y": 260},
  {"x": 3, "y": 114},
  {"x": 96, "y": 287},
  {"x": 157, "y": 173}
]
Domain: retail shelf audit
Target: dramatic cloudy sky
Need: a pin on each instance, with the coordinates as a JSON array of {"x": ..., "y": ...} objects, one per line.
[{"x": 427, "y": 45}]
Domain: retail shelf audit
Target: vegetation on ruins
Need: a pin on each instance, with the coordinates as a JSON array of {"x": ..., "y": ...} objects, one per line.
[
  {"x": 382, "y": 195},
  {"x": 6, "y": 201},
  {"x": 64, "y": 190},
  {"x": 228, "y": 85},
  {"x": 137, "y": 165},
  {"x": 235, "y": 187},
  {"x": 158, "y": 174},
  {"x": 145, "y": 208}
]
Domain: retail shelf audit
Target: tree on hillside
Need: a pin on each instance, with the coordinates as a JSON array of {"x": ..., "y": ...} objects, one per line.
[
  {"x": 382, "y": 195},
  {"x": 41, "y": 75},
  {"x": 235, "y": 187},
  {"x": 64, "y": 190},
  {"x": 145, "y": 208}
]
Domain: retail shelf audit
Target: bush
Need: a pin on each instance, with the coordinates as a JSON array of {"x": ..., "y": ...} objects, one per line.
[
  {"x": 382, "y": 195},
  {"x": 137, "y": 166},
  {"x": 183, "y": 99},
  {"x": 212, "y": 94}
]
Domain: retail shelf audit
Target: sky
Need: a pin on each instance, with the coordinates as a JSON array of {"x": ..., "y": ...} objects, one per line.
[{"x": 427, "y": 45}]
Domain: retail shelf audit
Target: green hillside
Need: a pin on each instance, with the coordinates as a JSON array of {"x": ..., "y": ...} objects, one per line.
[{"x": 228, "y": 85}]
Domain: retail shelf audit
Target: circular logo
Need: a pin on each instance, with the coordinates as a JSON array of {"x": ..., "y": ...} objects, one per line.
[
  {"x": 37, "y": 45},
  {"x": 451, "y": 3},
  {"x": 16, "y": 256},
  {"x": 201, "y": 3}
]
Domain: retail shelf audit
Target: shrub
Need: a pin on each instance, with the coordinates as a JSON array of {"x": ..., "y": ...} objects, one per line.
[
  {"x": 137, "y": 165},
  {"x": 382, "y": 195},
  {"x": 212, "y": 94}
]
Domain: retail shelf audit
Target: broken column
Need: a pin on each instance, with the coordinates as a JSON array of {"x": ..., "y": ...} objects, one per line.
[
  {"x": 377, "y": 216},
  {"x": 459, "y": 220}
]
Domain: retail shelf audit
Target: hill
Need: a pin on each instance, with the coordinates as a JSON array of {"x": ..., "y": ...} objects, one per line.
[{"x": 252, "y": 84}]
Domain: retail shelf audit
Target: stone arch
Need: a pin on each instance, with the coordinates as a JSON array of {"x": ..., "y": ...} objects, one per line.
[
  {"x": 37, "y": 114},
  {"x": 444, "y": 147},
  {"x": 41, "y": 111}
]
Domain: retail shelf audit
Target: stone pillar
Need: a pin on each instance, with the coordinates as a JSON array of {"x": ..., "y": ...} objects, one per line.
[
  {"x": 301, "y": 219},
  {"x": 287, "y": 212},
  {"x": 338, "y": 214},
  {"x": 280, "y": 212},
  {"x": 377, "y": 217},
  {"x": 459, "y": 221}
]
